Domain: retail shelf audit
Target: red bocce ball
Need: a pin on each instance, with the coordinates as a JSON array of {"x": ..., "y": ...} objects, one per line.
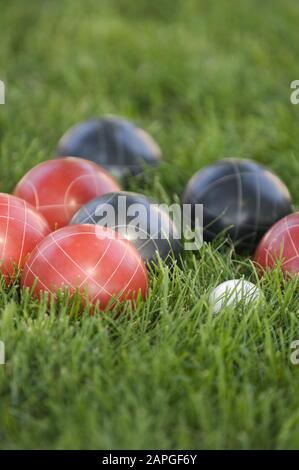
[
  {"x": 89, "y": 259},
  {"x": 59, "y": 187},
  {"x": 280, "y": 243},
  {"x": 21, "y": 229}
]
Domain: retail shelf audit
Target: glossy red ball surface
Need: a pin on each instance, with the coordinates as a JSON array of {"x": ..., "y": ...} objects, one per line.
[
  {"x": 59, "y": 187},
  {"x": 21, "y": 229},
  {"x": 90, "y": 259},
  {"x": 280, "y": 243}
]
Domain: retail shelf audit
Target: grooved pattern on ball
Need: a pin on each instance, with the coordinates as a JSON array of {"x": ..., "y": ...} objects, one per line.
[
  {"x": 112, "y": 142},
  {"x": 156, "y": 232},
  {"x": 240, "y": 197},
  {"x": 280, "y": 244},
  {"x": 88, "y": 258},
  {"x": 21, "y": 229},
  {"x": 58, "y": 188}
]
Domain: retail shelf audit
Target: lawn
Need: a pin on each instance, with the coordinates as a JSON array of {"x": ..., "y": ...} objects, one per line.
[{"x": 207, "y": 79}]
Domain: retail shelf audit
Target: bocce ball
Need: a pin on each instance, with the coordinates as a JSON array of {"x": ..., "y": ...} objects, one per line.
[
  {"x": 58, "y": 188},
  {"x": 21, "y": 229},
  {"x": 88, "y": 259},
  {"x": 240, "y": 198},
  {"x": 147, "y": 225},
  {"x": 115, "y": 143},
  {"x": 280, "y": 244},
  {"x": 232, "y": 293}
]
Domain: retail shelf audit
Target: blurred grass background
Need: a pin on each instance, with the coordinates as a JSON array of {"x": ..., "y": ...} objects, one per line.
[{"x": 207, "y": 79}]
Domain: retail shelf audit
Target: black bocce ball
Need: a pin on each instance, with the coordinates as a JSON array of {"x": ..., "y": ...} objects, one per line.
[
  {"x": 114, "y": 143},
  {"x": 145, "y": 224},
  {"x": 241, "y": 198}
]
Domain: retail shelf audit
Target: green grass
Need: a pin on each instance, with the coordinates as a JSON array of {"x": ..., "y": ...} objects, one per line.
[{"x": 207, "y": 79}]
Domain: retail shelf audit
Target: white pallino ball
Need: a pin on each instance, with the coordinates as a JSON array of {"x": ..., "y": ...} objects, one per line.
[{"x": 232, "y": 293}]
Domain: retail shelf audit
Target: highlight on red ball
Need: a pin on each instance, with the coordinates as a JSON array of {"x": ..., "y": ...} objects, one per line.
[
  {"x": 280, "y": 245},
  {"x": 21, "y": 229},
  {"x": 88, "y": 259},
  {"x": 59, "y": 187}
]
